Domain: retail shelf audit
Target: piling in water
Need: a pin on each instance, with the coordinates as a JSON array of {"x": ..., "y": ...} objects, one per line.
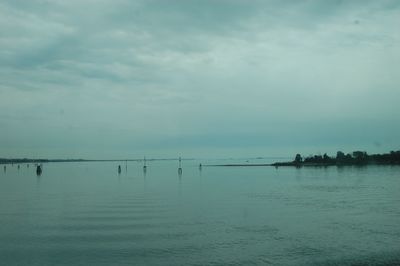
[
  {"x": 38, "y": 170},
  {"x": 180, "y": 166}
]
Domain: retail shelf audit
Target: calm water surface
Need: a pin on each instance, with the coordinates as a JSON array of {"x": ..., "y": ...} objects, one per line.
[{"x": 87, "y": 214}]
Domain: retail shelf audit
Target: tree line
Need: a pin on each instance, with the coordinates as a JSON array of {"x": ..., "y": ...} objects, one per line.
[{"x": 354, "y": 158}]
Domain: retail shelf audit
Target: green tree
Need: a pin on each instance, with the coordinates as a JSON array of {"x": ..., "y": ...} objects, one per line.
[{"x": 298, "y": 158}]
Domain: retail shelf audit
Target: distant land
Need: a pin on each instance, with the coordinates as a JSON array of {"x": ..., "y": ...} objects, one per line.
[
  {"x": 27, "y": 160},
  {"x": 357, "y": 158},
  {"x": 354, "y": 158}
]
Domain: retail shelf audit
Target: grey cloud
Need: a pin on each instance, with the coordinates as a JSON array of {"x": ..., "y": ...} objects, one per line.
[{"x": 198, "y": 74}]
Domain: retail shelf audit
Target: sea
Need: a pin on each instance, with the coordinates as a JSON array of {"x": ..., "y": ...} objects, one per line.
[{"x": 86, "y": 213}]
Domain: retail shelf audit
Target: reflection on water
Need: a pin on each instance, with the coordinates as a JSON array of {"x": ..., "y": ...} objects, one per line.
[{"x": 86, "y": 213}]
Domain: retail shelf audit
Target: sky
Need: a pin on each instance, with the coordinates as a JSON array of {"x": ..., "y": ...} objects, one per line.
[{"x": 198, "y": 78}]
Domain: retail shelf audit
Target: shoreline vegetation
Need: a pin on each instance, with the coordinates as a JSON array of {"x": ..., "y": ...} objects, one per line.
[{"x": 356, "y": 158}]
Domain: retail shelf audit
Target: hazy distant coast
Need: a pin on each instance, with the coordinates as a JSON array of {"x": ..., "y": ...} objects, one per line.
[
  {"x": 27, "y": 160},
  {"x": 358, "y": 158}
]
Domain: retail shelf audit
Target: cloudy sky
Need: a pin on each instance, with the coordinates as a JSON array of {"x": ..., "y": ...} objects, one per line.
[{"x": 198, "y": 78}]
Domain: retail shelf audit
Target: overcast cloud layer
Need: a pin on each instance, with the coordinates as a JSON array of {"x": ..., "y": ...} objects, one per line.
[{"x": 119, "y": 78}]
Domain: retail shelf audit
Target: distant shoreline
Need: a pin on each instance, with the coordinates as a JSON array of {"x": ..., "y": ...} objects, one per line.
[
  {"x": 283, "y": 164},
  {"x": 26, "y": 160},
  {"x": 239, "y": 165},
  {"x": 23, "y": 161},
  {"x": 356, "y": 158}
]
